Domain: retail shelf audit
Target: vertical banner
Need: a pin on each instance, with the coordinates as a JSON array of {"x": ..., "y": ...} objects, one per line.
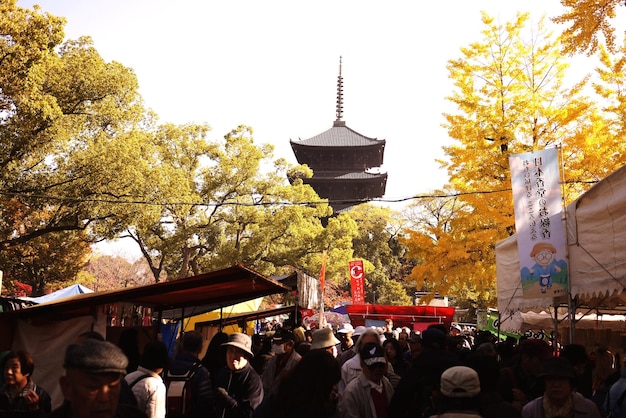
[
  {"x": 538, "y": 220},
  {"x": 357, "y": 281}
]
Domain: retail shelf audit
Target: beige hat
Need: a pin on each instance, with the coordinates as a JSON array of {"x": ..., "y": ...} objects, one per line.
[
  {"x": 460, "y": 382},
  {"x": 240, "y": 341},
  {"x": 323, "y": 338}
]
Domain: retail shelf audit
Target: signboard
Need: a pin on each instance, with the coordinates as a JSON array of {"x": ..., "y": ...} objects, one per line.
[
  {"x": 357, "y": 282},
  {"x": 538, "y": 220}
]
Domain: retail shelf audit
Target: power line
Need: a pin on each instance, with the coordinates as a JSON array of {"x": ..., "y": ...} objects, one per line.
[{"x": 129, "y": 201}]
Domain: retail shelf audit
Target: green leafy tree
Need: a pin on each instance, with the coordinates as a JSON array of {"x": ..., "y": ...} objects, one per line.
[
  {"x": 238, "y": 207},
  {"x": 377, "y": 243},
  {"x": 75, "y": 139}
]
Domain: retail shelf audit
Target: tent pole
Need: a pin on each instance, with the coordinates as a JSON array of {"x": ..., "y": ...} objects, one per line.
[
  {"x": 499, "y": 322},
  {"x": 555, "y": 340},
  {"x": 570, "y": 314}
]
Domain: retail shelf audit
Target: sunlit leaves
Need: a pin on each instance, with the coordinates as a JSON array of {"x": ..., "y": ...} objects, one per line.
[
  {"x": 587, "y": 24},
  {"x": 510, "y": 98}
]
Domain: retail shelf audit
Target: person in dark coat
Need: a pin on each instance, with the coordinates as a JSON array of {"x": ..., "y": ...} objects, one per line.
[
  {"x": 492, "y": 405},
  {"x": 308, "y": 390},
  {"x": 19, "y": 395},
  {"x": 239, "y": 387},
  {"x": 215, "y": 358},
  {"x": 579, "y": 359},
  {"x": 202, "y": 392},
  {"x": 411, "y": 396},
  {"x": 520, "y": 383}
]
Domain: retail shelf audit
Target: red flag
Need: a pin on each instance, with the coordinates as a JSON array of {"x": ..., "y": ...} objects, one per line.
[
  {"x": 357, "y": 282},
  {"x": 322, "y": 321},
  {"x": 323, "y": 272}
]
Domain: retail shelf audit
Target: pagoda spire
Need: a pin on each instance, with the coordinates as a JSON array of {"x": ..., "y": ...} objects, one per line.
[{"x": 339, "y": 112}]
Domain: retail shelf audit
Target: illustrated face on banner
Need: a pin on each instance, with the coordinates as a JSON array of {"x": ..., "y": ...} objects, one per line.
[{"x": 544, "y": 258}]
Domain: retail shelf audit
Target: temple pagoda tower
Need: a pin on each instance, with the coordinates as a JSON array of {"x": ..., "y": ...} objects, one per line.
[{"x": 345, "y": 164}]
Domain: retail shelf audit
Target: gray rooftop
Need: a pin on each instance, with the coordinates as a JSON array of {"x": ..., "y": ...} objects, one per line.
[{"x": 339, "y": 136}]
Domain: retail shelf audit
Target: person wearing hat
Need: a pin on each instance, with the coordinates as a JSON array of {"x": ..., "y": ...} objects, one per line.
[
  {"x": 92, "y": 382},
  {"x": 560, "y": 398},
  {"x": 459, "y": 390},
  {"x": 324, "y": 339},
  {"x": 345, "y": 334},
  {"x": 348, "y": 353},
  {"x": 239, "y": 389},
  {"x": 369, "y": 394},
  {"x": 284, "y": 359}
]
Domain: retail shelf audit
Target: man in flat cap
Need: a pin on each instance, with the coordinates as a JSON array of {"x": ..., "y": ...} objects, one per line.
[{"x": 92, "y": 382}]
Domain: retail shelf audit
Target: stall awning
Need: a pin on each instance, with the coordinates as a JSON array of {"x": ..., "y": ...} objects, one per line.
[{"x": 174, "y": 299}]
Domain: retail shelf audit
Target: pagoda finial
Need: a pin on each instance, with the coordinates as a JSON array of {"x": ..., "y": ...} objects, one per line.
[{"x": 339, "y": 112}]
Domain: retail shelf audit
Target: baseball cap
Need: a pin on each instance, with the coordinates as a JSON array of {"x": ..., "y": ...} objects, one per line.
[
  {"x": 372, "y": 353},
  {"x": 283, "y": 335},
  {"x": 346, "y": 328},
  {"x": 460, "y": 382},
  {"x": 359, "y": 330}
]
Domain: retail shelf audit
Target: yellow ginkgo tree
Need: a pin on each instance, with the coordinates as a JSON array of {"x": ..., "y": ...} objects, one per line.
[{"x": 510, "y": 97}]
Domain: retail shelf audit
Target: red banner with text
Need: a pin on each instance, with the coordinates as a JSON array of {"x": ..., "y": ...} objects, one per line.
[{"x": 357, "y": 280}]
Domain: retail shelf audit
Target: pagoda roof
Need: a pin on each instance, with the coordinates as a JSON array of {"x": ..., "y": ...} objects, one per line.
[
  {"x": 339, "y": 136},
  {"x": 342, "y": 175}
]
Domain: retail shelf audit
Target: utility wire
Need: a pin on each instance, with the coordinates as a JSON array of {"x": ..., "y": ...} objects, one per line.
[{"x": 130, "y": 201}]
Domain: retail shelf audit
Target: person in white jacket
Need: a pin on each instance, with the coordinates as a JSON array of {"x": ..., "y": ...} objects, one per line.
[
  {"x": 369, "y": 394},
  {"x": 352, "y": 368},
  {"x": 146, "y": 382}
]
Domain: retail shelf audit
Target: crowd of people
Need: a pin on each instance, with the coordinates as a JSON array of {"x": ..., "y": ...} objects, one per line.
[{"x": 350, "y": 372}]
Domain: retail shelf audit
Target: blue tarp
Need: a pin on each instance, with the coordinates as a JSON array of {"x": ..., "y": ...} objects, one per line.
[{"x": 62, "y": 293}]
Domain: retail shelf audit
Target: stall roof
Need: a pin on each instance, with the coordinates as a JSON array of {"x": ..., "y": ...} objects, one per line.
[
  {"x": 175, "y": 299},
  {"x": 248, "y": 316}
]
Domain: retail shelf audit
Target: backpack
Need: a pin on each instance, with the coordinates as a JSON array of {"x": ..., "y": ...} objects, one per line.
[{"x": 179, "y": 401}]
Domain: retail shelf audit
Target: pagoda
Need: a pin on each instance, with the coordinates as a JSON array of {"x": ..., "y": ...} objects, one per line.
[{"x": 345, "y": 164}]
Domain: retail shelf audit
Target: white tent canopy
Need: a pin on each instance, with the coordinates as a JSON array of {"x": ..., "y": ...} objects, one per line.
[
  {"x": 596, "y": 245},
  {"x": 525, "y": 321}
]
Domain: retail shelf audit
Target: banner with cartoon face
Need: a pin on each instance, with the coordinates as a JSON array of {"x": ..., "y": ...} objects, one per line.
[{"x": 539, "y": 223}]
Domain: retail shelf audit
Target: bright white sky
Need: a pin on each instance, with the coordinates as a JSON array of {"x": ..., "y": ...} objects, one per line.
[{"x": 273, "y": 65}]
